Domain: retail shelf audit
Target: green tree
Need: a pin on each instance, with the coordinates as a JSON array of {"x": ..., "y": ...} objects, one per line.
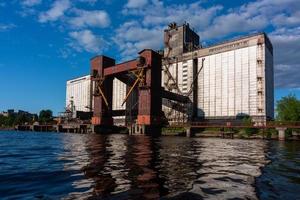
[
  {"x": 3, "y": 121},
  {"x": 22, "y": 118},
  {"x": 45, "y": 116},
  {"x": 288, "y": 108},
  {"x": 10, "y": 120}
]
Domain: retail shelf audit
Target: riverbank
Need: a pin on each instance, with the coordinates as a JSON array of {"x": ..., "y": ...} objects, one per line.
[
  {"x": 7, "y": 129},
  {"x": 269, "y": 135},
  {"x": 237, "y": 133},
  {"x": 204, "y": 134}
]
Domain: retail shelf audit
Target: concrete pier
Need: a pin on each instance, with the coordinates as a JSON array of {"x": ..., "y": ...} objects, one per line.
[
  {"x": 189, "y": 132},
  {"x": 281, "y": 133},
  {"x": 138, "y": 129}
]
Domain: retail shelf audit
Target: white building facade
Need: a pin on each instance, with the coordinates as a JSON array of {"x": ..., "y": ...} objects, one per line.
[
  {"x": 79, "y": 91},
  {"x": 119, "y": 94},
  {"x": 236, "y": 80}
]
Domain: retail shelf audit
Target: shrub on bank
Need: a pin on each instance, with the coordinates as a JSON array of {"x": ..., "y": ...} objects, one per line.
[
  {"x": 247, "y": 121},
  {"x": 172, "y": 129}
]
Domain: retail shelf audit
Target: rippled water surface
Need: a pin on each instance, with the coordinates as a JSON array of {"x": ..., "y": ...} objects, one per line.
[
  {"x": 72, "y": 166},
  {"x": 281, "y": 178}
]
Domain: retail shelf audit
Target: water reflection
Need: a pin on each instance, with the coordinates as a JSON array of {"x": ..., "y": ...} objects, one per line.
[
  {"x": 71, "y": 166},
  {"x": 127, "y": 167},
  {"x": 121, "y": 167},
  {"x": 229, "y": 168},
  {"x": 104, "y": 183}
]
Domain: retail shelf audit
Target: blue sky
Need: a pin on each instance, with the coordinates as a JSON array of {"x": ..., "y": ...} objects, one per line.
[{"x": 46, "y": 42}]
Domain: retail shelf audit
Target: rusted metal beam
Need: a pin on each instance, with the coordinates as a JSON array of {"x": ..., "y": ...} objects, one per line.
[
  {"x": 174, "y": 105},
  {"x": 173, "y": 96},
  {"x": 128, "y": 79},
  {"x": 139, "y": 78},
  {"x": 122, "y": 112},
  {"x": 120, "y": 68},
  {"x": 103, "y": 96}
]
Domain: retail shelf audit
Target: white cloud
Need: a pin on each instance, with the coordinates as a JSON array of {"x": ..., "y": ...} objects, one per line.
[
  {"x": 131, "y": 38},
  {"x": 234, "y": 23},
  {"x": 56, "y": 11},
  {"x": 97, "y": 18},
  {"x": 197, "y": 16},
  {"x": 253, "y": 16},
  {"x": 6, "y": 27},
  {"x": 30, "y": 3},
  {"x": 158, "y": 14},
  {"x": 136, "y": 3},
  {"x": 86, "y": 40},
  {"x": 92, "y": 2},
  {"x": 28, "y": 7},
  {"x": 286, "y": 43},
  {"x": 287, "y": 76},
  {"x": 269, "y": 7},
  {"x": 284, "y": 19}
]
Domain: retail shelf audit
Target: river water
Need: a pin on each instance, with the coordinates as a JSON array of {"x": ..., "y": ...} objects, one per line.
[{"x": 73, "y": 166}]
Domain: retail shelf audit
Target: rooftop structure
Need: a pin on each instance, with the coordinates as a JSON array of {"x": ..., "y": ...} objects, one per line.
[{"x": 179, "y": 40}]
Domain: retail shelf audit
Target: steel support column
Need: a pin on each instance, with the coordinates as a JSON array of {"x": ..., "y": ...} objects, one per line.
[
  {"x": 150, "y": 102},
  {"x": 103, "y": 85}
]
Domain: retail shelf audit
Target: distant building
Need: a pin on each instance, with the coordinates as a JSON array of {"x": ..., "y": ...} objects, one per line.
[
  {"x": 236, "y": 78},
  {"x": 11, "y": 112},
  {"x": 119, "y": 94},
  {"x": 5, "y": 114},
  {"x": 79, "y": 94}
]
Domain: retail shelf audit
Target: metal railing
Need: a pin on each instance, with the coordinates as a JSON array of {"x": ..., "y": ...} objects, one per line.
[{"x": 269, "y": 124}]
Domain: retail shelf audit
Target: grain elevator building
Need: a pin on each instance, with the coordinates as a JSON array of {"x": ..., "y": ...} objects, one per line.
[{"x": 223, "y": 81}]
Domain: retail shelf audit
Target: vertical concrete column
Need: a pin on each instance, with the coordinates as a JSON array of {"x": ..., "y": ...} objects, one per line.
[
  {"x": 56, "y": 129},
  {"x": 281, "y": 133},
  {"x": 130, "y": 129},
  {"x": 189, "y": 132},
  {"x": 195, "y": 91},
  {"x": 102, "y": 114}
]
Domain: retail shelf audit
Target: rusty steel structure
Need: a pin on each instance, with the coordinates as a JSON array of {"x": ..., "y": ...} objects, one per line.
[
  {"x": 143, "y": 74},
  {"x": 177, "y": 41},
  {"x": 143, "y": 78}
]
